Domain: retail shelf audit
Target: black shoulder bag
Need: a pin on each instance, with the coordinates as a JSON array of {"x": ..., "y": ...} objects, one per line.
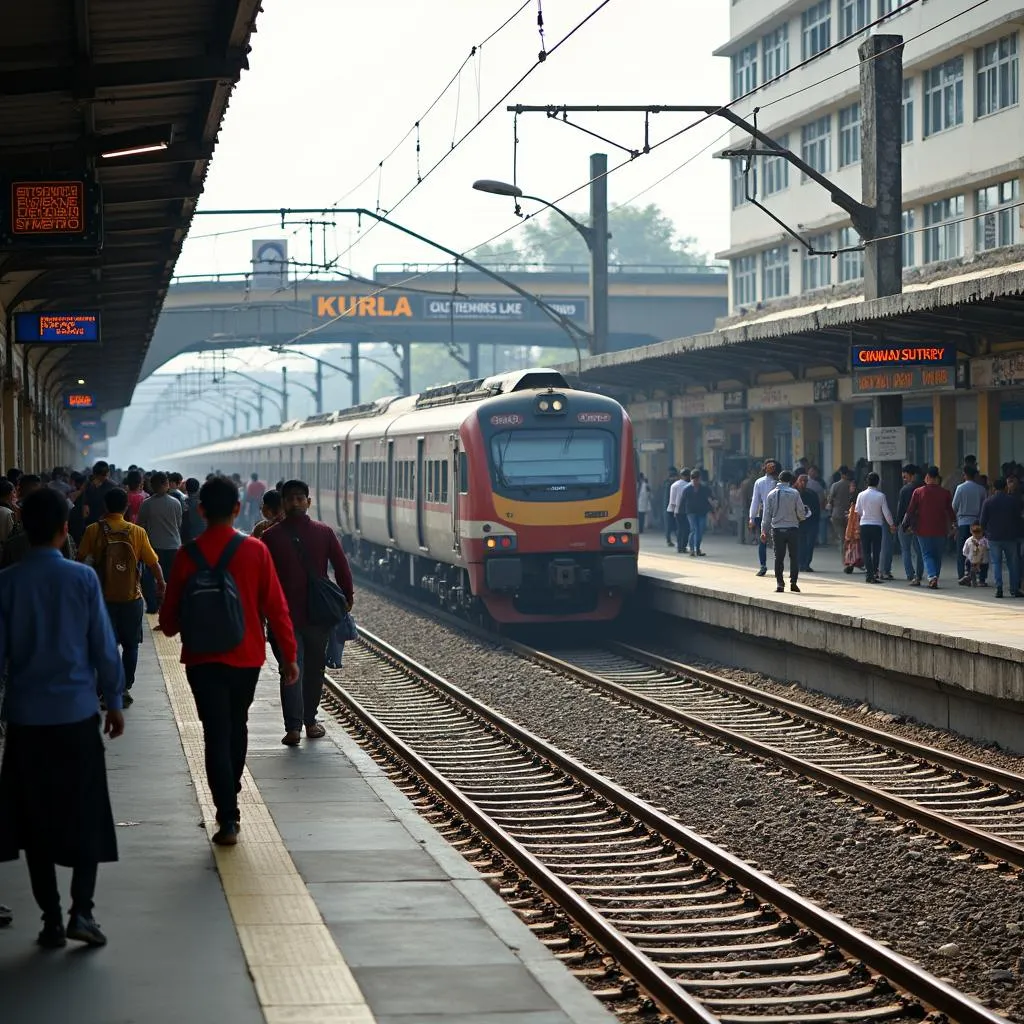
[{"x": 328, "y": 605}]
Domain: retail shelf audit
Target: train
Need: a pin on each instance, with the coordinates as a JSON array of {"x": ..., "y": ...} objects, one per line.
[{"x": 511, "y": 497}]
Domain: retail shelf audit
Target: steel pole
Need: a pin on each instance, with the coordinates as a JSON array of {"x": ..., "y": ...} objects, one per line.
[{"x": 599, "y": 254}]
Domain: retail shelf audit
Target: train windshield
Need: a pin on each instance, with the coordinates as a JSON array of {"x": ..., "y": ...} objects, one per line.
[{"x": 554, "y": 460}]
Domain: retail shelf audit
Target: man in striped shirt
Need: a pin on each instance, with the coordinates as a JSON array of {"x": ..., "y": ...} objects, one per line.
[{"x": 763, "y": 486}]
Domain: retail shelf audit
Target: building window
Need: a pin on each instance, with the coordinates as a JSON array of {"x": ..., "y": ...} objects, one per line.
[
  {"x": 908, "y": 110},
  {"x": 997, "y": 73},
  {"x": 944, "y": 234},
  {"x": 909, "y": 248},
  {"x": 775, "y": 273},
  {"x": 744, "y": 281},
  {"x": 853, "y": 16},
  {"x": 816, "y": 144},
  {"x": 944, "y": 96},
  {"x": 744, "y": 71},
  {"x": 891, "y": 6},
  {"x": 996, "y": 224},
  {"x": 851, "y": 264},
  {"x": 739, "y": 182},
  {"x": 816, "y": 271},
  {"x": 849, "y": 135},
  {"x": 775, "y": 170},
  {"x": 775, "y": 53},
  {"x": 816, "y": 29}
]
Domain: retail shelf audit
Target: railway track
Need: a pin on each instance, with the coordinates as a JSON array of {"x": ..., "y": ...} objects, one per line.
[
  {"x": 979, "y": 806},
  {"x": 704, "y": 934}
]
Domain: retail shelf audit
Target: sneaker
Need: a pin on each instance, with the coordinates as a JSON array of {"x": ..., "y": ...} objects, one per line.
[
  {"x": 700, "y": 554},
  {"x": 83, "y": 928},
  {"x": 763, "y": 571},
  {"x": 914, "y": 582},
  {"x": 933, "y": 583},
  {"x": 693, "y": 554},
  {"x": 888, "y": 576},
  {"x": 52, "y": 936},
  {"x": 999, "y": 591},
  {"x": 226, "y": 835},
  {"x": 794, "y": 588},
  {"x": 780, "y": 589}
]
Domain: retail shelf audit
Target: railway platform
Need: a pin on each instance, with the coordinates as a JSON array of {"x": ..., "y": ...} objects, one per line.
[
  {"x": 340, "y": 904},
  {"x": 951, "y": 657}
]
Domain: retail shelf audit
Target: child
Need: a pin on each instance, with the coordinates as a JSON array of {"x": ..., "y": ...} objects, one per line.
[{"x": 976, "y": 558}]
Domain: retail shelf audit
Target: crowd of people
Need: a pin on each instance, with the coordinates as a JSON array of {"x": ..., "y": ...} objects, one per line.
[{"x": 85, "y": 557}]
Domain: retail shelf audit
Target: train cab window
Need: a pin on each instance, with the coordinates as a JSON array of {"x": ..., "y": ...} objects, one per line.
[
  {"x": 463, "y": 473},
  {"x": 444, "y": 483},
  {"x": 554, "y": 460}
]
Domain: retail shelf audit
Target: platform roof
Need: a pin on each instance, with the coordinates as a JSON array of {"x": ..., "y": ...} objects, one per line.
[
  {"x": 971, "y": 309},
  {"x": 82, "y": 77}
]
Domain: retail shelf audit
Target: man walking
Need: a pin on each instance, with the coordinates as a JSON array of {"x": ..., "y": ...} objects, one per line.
[
  {"x": 1000, "y": 518},
  {"x": 873, "y": 517},
  {"x": 160, "y": 516},
  {"x": 763, "y": 486},
  {"x": 809, "y": 527},
  {"x": 666, "y": 490},
  {"x": 676, "y": 512},
  {"x": 223, "y": 681},
  {"x": 116, "y": 548},
  {"x": 302, "y": 549},
  {"x": 910, "y": 546},
  {"x": 840, "y": 498},
  {"x": 696, "y": 505},
  {"x": 967, "y": 501},
  {"x": 931, "y": 518},
  {"x": 254, "y": 491},
  {"x": 784, "y": 511},
  {"x": 93, "y": 508},
  {"x": 56, "y": 640}
]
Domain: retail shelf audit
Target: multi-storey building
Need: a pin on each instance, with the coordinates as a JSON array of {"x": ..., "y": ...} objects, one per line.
[{"x": 963, "y": 136}]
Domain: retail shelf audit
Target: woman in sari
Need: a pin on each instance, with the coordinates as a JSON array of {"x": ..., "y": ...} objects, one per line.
[{"x": 852, "y": 556}]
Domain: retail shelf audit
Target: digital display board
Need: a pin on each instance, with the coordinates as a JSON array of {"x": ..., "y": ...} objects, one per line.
[
  {"x": 79, "y": 400},
  {"x": 48, "y": 210},
  {"x": 887, "y": 380},
  {"x": 55, "y": 328},
  {"x": 869, "y": 357}
]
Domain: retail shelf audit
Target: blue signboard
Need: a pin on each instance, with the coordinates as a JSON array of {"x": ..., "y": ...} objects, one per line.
[{"x": 49, "y": 328}]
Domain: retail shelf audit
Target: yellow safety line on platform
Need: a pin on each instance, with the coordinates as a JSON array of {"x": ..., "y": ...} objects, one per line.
[{"x": 299, "y": 973}]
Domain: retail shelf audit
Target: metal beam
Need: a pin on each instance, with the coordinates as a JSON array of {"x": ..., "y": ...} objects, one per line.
[{"x": 139, "y": 195}]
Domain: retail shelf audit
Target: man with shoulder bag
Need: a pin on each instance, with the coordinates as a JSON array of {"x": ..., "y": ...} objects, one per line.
[{"x": 303, "y": 550}]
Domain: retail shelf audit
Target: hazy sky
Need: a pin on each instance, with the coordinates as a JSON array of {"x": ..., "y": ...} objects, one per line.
[{"x": 334, "y": 86}]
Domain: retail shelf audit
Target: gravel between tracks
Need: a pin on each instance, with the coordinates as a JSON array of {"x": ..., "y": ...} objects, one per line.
[{"x": 899, "y": 886}]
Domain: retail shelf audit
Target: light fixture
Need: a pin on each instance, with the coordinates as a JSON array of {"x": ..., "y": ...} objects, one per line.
[
  {"x": 498, "y": 188},
  {"x": 152, "y": 147},
  {"x": 80, "y": 380}
]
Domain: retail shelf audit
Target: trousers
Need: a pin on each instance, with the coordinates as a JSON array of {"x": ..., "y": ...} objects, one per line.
[
  {"x": 787, "y": 541},
  {"x": 42, "y": 873},
  {"x": 913, "y": 563},
  {"x": 931, "y": 553},
  {"x": 300, "y": 703},
  {"x": 871, "y": 543},
  {"x": 223, "y": 696}
]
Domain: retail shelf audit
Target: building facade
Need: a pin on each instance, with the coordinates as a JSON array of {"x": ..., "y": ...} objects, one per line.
[{"x": 963, "y": 138}]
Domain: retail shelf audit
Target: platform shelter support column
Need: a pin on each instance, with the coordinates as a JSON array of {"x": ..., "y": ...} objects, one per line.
[
  {"x": 686, "y": 434},
  {"x": 10, "y": 416},
  {"x": 842, "y": 438},
  {"x": 406, "y": 368},
  {"x": 810, "y": 431},
  {"x": 25, "y": 448},
  {"x": 988, "y": 433},
  {"x": 944, "y": 432},
  {"x": 354, "y": 351},
  {"x": 762, "y": 435}
]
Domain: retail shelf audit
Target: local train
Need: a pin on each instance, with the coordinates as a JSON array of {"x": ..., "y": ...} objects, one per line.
[{"x": 512, "y": 497}]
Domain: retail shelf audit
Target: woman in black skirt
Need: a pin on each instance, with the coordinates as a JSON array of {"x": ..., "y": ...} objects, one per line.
[{"x": 57, "y": 642}]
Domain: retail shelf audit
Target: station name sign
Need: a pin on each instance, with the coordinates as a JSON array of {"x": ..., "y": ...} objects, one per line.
[
  {"x": 40, "y": 211},
  {"x": 79, "y": 400},
  {"x": 873, "y": 356},
  {"x": 887, "y": 380},
  {"x": 56, "y": 328},
  {"x": 413, "y": 309}
]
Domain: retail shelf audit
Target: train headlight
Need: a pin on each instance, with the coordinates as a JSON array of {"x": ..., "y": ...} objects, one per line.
[
  {"x": 557, "y": 405},
  {"x": 552, "y": 405},
  {"x": 543, "y": 405}
]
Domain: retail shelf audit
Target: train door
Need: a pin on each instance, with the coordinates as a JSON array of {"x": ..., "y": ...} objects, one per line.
[
  {"x": 421, "y": 494},
  {"x": 389, "y": 495},
  {"x": 457, "y": 486},
  {"x": 317, "y": 484},
  {"x": 357, "y": 488},
  {"x": 339, "y": 465}
]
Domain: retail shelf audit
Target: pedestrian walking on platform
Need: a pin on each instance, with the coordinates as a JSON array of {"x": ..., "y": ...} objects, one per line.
[
  {"x": 809, "y": 527},
  {"x": 696, "y": 503},
  {"x": 931, "y": 518},
  {"x": 967, "y": 501},
  {"x": 910, "y": 546},
  {"x": 763, "y": 486},
  {"x": 302, "y": 550},
  {"x": 56, "y": 640},
  {"x": 116, "y": 549},
  {"x": 160, "y": 516},
  {"x": 670, "y": 518},
  {"x": 784, "y": 511},
  {"x": 676, "y": 511},
  {"x": 976, "y": 556},
  {"x": 222, "y": 590},
  {"x": 643, "y": 502},
  {"x": 873, "y": 518},
  {"x": 1000, "y": 519}
]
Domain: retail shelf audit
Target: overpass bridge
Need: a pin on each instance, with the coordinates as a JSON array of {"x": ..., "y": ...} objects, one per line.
[{"x": 408, "y": 304}]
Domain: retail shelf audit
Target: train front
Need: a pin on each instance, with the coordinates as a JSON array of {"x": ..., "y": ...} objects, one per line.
[{"x": 554, "y": 536}]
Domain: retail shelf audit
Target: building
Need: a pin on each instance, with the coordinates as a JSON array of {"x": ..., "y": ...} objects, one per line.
[{"x": 962, "y": 131}]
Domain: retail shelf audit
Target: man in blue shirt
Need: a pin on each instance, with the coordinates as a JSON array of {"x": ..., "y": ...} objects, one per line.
[{"x": 57, "y": 645}]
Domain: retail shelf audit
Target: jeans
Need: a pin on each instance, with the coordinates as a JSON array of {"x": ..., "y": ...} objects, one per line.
[
  {"x": 808, "y": 540},
  {"x": 888, "y": 550},
  {"x": 762, "y": 547},
  {"x": 931, "y": 554},
  {"x": 300, "y": 702},
  {"x": 126, "y": 621},
  {"x": 822, "y": 530},
  {"x": 913, "y": 563},
  {"x": 787, "y": 541},
  {"x": 42, "y": 873},
  {"x": 670, "y": 527},
  {"x": 871, "y": 543},
  {"x": 697, "y": 523},
  {"x": 682, "y": 531},
  {"x": 335, "y": 650},
  {"x": 223, "y": 695},
  {"x": 962, "y": 533},
  {"x": 998, "y": 550}
]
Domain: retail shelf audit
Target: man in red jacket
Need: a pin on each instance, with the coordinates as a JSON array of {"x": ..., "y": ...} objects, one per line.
[
  {"x": 224, "y": 684},
  {"x": 295, "y": 544},
  {"x": 931, "y": 517}
]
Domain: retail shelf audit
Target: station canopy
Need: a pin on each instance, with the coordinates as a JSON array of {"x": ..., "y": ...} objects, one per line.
[
  {"x": 109, "y": 114},
  {"x": 974, "y": 310}
]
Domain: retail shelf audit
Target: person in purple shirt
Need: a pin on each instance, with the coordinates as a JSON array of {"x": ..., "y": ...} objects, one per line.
[{"x": 57, "y": 644}]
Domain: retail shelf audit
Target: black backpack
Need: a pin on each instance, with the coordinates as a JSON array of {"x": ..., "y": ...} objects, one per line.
[{"x": 212, "y": 619}]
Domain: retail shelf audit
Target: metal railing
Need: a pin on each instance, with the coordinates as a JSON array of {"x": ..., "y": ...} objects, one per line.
[{"x": 556, "y": 269}]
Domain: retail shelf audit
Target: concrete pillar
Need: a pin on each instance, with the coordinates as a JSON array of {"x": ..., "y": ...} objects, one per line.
[
  {"x": 10, "y": 418},
  {"x": 842, "y": 436},
  {"x": 687, "y": 434},
  {"x": 810, "y": 428},
  {"x": 762, "y": 435},
  {"x": 944, "y": 432},
  {"x": 988, "y": 433},
  {"x": 25, "y": 448}
]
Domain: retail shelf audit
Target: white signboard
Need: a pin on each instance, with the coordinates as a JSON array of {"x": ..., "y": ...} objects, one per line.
[
  {"x": 714, "y": 437},
  {"x": 887, "y": 444}
]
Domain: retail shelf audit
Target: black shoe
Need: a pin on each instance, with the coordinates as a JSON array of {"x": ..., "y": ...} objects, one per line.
[
  {"x": 226, "y": 835},
  {"x": 780, "y": 589},
  {"x": 52, "y": 936},
  {"x": 127, "y": 700},
  {"x": 763, "y": 571},
  {"x": 807, "y": 569},
  {"x": 700, "y": 554},
  {"x": 794, "y": 588},
  {"x": 84, "y": 928},
  {"x": 1017, "y": 593},
  {"x": 999, "y": 591}
]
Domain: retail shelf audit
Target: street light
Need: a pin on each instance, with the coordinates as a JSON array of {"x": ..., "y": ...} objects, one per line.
[
  {"x": 352, "y": 375},
  {"x": 595, "y": 236}
]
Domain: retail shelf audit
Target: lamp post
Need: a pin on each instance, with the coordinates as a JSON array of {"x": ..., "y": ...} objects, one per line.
[
  {"x": 595, "y": 236},
  {"x": 352, "y": 375}
]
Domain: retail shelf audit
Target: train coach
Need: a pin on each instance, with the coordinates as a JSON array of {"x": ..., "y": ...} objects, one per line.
[{"x": 512, "y": 497}]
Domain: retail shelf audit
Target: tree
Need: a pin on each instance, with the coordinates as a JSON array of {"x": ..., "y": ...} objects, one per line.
[
  {"x": 640, "y": 235},
  {"x": 504, "y": 252}
]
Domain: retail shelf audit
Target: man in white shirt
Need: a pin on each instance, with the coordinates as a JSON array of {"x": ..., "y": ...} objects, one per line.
[
  {"x": 763, "y": 486},
  {"x": 874, "y": 516},
  {"x": 675, "y": 509}
]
